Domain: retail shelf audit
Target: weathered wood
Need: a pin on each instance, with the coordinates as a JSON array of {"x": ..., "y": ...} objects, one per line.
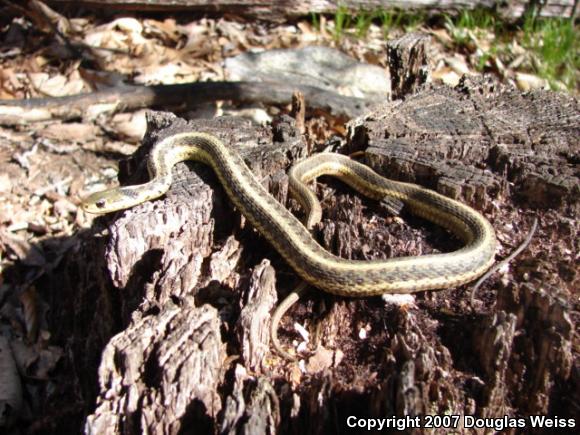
[
  {"x": 10, "y": 386},
  {"x": 169, "y": 340},
  {"x": 183, "y": 286},
  {"x": 408, "y": 63},
  {"x": 318, "y": 66},
  {"x": 467, "y": 142},
  {"x": 252, "y": 407},
  {"x": 183, "y": 96},
  {"x": 252, "y": 326},
  {"x": 276, "y": 10},
  {"x": 545, "y": 336},
  {"x": 162, "y": 361}
]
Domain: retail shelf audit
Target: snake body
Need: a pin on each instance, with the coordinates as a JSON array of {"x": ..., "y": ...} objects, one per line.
[{"x": 293, "y": 240}]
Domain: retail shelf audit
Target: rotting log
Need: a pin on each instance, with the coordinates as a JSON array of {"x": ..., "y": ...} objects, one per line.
[
  {"x": 280, "y": 10},
  {"x": 182, "y": 96},
  {"x": 408, "y": 63},
  {"x": 167, "y": 304}
]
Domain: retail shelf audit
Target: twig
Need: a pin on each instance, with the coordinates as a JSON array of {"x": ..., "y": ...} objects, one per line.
[
  {"x": 506, "y": 260},
  {"x": 44, "y": 13},
  {"x": 129, "y": 97},
  {"x": 39, "y": 13}
]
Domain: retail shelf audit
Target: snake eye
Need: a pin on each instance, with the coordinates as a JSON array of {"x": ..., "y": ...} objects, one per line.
[{"x": 100, "y": 203}]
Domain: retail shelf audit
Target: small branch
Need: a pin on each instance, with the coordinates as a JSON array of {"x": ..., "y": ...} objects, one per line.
[
  {"x": 120, "y": 98},
  {"x": 505, "y": 261},
  {"x": 275, "y": 10}
]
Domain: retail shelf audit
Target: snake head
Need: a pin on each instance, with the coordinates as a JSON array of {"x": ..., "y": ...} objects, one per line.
[
  {"x": 106, "y": 202},
  {"x": 124, "y": 197}
]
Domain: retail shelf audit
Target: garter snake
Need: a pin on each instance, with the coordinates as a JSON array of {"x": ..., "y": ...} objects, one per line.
[{"x": 293, "y": 240}]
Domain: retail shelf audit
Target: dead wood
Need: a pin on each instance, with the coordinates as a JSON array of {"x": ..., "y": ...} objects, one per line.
[
  {"x": 276, "y": 10},
  {"x": 526, "y": 136},
  {"x": 408, "y": 63},
  {"x": 181, "y": 96},
  {"x": 175, "y": 294}
]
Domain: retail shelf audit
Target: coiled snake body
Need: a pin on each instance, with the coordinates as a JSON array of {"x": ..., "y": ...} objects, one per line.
[{"x": 293, "y": 240}]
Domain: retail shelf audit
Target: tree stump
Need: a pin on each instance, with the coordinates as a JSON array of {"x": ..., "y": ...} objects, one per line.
[{"x": 168, "y": 304}]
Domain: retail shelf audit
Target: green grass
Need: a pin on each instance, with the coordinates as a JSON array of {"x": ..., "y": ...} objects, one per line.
[
  {"x": 358, "y": 24},
  {"x": 399, "y": 19},
  {"x": 341, "y": 22},
  {"x": 555, "y": 44},
  {"x": 389, "y": 20},
  {"x": 412, "y": 20},
  {"x": 468, "y": 23},
  {"x": 314, "y": 18},
  {"x": 476, "y": 19},
  {"x": 551, "y": 44},
  {"x": 362, "y": 22}
]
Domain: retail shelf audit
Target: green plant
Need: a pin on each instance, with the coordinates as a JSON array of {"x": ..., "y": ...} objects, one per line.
[
  {"x": 314, "y": 18},
  {"x": 482, "y": 60},
  {"x": 476, "y": 19},
  {"x": 457, "y": 33},
  {"x": 341, "y": 22},
  {"x": 344, "y": 22},
  {"x": 554, "y": 42},
  {"x": 468, "y": 23},
  {"x": 363, "y": 21},
  {"x": 552, "y": 49},
  {"x": 412, "y": 20},
  {"x": 389, "y": 20}
]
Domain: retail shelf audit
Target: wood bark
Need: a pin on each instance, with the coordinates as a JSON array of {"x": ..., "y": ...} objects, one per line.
[
  {"x": 408, "y": 63},
  {"x": 183, "y": 96},
  {"x": 166, "y": 306},
  {"x": 279, "y": 10}
]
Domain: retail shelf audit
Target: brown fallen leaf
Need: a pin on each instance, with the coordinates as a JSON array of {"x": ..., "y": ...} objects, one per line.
[
  {"x": 528, "y": 82},
  {"x": 321, "y": 360},
  {"x": 58, "y": 85},
  {"x": 22, "y": 249},
  {"x": 69, "y": 132},
  {"x": 29, "y": 301}
]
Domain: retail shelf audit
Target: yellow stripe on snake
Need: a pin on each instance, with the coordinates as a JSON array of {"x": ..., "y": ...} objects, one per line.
[{"x": 293, "y": 240}]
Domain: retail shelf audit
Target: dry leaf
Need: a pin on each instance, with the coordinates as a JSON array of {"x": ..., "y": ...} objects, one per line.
[
  {"x": 70, "y": 132},
  {"x": 321, "y": 360},
  {"x": 29, "y": 301},
  {"x": 130, "y": 126},
  {"x": 128, "y": 25},
  {"x": 447, "y": 76},
  {"x": 167, "y": 30},
  {"x": 442, "y": 35},
  {"x": 5, "y": 183},
  {"x": 59, "y": 21},
  {"x": 29, "y": 254},
  {"x": 458, "y": 64},
  {"x": 528, "y": 82},
  {"x": 57, "y": 85},
  {"x": 169, "y": 73}
]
